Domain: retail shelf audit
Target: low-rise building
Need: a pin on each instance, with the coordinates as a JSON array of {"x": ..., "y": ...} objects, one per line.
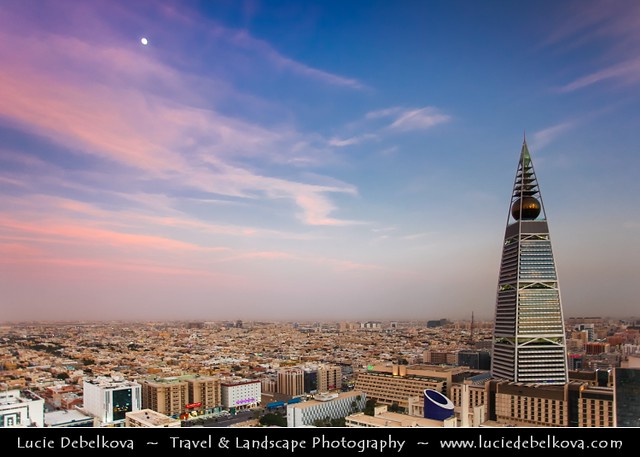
[{"x": 325, "y": 406}]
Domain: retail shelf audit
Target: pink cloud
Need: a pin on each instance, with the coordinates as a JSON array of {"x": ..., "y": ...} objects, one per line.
[
  {"x": 131, "y": 125},
  {"x": 100, "y": 237},
  {"x": 120, "y": 266}
]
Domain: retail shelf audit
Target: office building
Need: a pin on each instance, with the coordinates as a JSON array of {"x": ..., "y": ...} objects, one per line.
[
  {"x": 329, "y": 378},
  {"x": 21, "y": 408},
  {"x": 204, "y": 392},
  {"x": 310, "y": 380},
  {"x": 596, "y": 407},
  {"x": 393, "y": 385},
  {"x": 177, "y": 395},
  {"x": 477, "y": 360},
  {"x": 167, "y": 396},
  {"x": 439, "y": 357},
  {"x": 325, "y": 406},
  {"x": 529, "y": 337},
  {"x": 109, "y": 399},
  {"x": 291, "y": 382},
  {"x": 537, "y": 405},
  {"x": 627, "y": 397},
  {"x": 470, "y": 399}
]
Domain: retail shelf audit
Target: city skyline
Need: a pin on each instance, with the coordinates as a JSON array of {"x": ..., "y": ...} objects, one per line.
[{"x": 321, "y": 161}]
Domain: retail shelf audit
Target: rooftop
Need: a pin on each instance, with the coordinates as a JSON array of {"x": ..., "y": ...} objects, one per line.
[
  {"x": 312, "y": 403},
  {"x": 388, "y": 419},
  {"x": 55, "y": 418},
  {"x": 150, "y": 418}
]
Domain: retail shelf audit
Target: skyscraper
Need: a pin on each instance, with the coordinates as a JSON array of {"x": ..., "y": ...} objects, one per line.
[{"x": 529, "y": 338}]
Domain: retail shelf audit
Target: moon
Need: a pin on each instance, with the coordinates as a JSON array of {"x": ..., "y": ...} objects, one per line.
[{"x": 144, "y": 41}]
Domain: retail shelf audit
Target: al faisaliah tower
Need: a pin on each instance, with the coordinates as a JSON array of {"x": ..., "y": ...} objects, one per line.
[{"x": 529, "y": 338}]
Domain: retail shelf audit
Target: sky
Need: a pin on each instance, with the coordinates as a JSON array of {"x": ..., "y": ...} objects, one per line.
[{"x": 320, "y": 160}]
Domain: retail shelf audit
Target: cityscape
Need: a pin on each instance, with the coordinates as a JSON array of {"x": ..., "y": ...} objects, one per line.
[
  {"x": 49, "y": 369},
  {"x": 524, "y": 369},
  {"x": 273, "y": 243}
]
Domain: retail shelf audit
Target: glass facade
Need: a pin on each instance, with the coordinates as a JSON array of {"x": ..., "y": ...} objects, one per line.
[
  {"x": 122, "y": 403},
  {"x": 627, "y": 397}
]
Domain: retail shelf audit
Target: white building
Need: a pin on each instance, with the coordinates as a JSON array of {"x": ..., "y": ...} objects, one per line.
[
  {"x": 244, "y": 394},
  {"x": 21, "y": 409},
  {"x": 110, "y": 399},
  {"x": 332, "y": 406}
]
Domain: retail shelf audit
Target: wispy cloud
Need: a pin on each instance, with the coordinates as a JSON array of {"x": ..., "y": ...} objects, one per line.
[
  {"x": 341, "y": 142},
  {"x": 627, "y": 72},
  {"x": 419, "y": 119},
  {"x": 386, "y": 112},
  {"x": 615, "y": 27},
  {"x": 408, "y": 119},
  {"x": 543, "y": 137}
]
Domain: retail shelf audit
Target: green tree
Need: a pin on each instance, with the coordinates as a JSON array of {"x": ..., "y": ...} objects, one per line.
[
  {"x": 339, "y": 422},
  {"x": 369, "y": 407},
  {"x": 271, "y": 419}
]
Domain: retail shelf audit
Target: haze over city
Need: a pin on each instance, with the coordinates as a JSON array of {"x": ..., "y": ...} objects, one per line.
[{"x": 310, "y": 160}]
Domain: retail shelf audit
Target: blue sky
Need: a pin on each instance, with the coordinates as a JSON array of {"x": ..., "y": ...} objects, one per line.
[{"x": 310, "y": 160}]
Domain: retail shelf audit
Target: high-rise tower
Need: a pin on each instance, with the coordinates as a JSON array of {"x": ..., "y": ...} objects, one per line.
[{"x": 529, "y": 339}]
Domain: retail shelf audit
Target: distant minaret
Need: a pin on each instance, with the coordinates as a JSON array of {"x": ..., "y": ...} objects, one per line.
[
  {"x": 471, "y": 330},
  {"x": 529, "y": 338}
]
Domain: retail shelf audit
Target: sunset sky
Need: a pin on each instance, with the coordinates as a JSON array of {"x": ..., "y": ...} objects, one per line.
[{"x": 317, "y": 160}]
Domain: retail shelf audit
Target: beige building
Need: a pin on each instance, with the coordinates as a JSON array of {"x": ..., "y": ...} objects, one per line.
[
  {"x": 149, "y": 418},
  {"x": 329, "y": 378},
  {"x": 291, "y": 382},
  {"x": 269, "y": 385},
  {"x": 204, "y": 390},
  {"x": 569, "y": 405},
  {"x": 477, "y": 395},
  {"x": 396, "y": 384},
  {"x": 596, "y": 407},
  {"x": 180, "y": 394},
  {"x": 168, "y": 396},
  {"x": 440, "y": 357},
  {"x": 390, "y": 384},
  {"x": 469, "y": 400}
]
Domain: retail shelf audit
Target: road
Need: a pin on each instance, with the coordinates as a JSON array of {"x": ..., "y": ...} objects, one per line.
[{"x": 225, "y": 421}]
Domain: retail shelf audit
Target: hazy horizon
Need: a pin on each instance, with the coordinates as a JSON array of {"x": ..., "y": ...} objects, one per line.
[{"x": 307, "y": 159}]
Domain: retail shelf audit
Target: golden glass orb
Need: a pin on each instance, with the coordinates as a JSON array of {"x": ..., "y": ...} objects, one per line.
[{"x": 530, "y": 208}]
